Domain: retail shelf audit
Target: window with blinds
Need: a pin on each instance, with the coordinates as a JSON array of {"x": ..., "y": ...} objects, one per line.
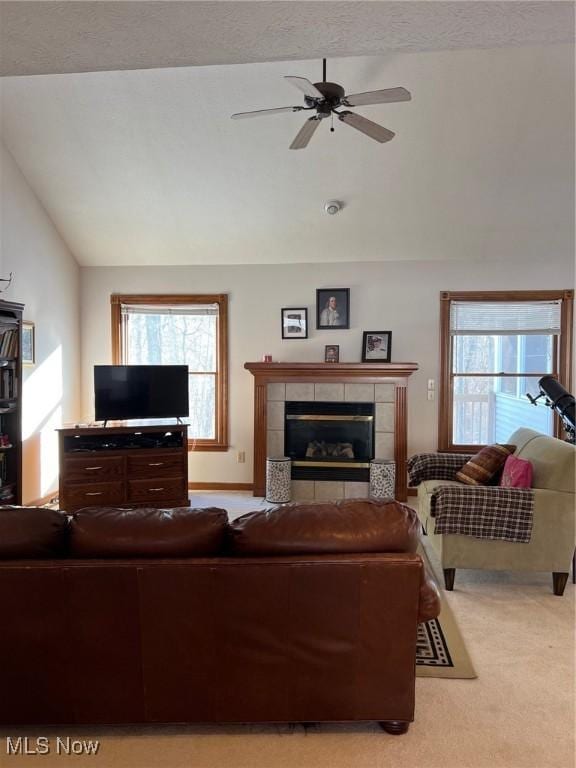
[
  {"x": 180, "y": 330},
  {"x": 494, "y": 352}
]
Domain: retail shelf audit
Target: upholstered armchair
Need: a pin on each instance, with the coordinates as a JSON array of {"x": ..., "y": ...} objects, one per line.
[{"x": 549, "y": 505}]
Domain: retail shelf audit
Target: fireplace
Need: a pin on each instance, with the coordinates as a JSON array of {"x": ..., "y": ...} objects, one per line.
[
  {"x": 329, "y": 440},
  {"x": 383, "y": 385}
]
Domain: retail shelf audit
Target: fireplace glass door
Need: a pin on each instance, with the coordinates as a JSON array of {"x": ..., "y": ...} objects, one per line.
[{"x": 329, "y": 441}]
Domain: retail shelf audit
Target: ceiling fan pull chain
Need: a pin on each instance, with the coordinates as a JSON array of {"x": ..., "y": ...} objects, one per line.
[{"x": 332, "y": 124}]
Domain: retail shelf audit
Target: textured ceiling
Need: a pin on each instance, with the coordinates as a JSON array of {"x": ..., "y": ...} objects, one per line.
[{"x": 60, "y": 37}]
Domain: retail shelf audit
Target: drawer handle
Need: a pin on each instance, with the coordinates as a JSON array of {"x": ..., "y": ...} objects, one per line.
[
  {"x": 155, "y": 489},
  {"x": 92, "y": 469},
  {"x": 94, "y": 493},
  {"x": 155, "y": 463}
]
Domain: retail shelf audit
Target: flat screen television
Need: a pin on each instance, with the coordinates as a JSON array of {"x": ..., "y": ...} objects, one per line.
[{"x": 140, "y": 391}]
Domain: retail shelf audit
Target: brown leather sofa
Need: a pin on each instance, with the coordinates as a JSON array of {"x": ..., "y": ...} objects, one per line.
[{"x": 303, "y": 613}]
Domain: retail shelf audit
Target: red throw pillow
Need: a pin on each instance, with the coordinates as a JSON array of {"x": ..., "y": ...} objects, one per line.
[
  {"x": 517, "y": 473},
  {"x": 485, "y": 464}
]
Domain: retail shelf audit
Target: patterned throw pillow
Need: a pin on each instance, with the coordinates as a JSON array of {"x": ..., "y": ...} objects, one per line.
[
  {"x": 517, "y": 473},
  {"x": 485, "y": 464}
]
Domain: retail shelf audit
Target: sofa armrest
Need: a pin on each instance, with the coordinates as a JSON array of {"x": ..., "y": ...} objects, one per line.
[
  {"x": 484, "y": 512},
  {"x": 435, "y": 466},
  {"x": 429, "y": 603},
  {"x": 481, "y": 497}
]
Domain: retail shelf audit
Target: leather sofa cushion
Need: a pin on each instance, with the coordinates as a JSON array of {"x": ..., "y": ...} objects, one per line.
[
  {"x": 342, "y": 527},
  {"x": 32, "y": 532},
  {"x": 179, "y": 532}
]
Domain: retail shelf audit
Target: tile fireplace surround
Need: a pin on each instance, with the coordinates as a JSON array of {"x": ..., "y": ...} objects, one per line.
[{"x": 381, "y": 383}]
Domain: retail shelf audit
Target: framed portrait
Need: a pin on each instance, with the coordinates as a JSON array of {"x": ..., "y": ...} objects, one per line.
[
  {"x": 28, "y": 344},
  {"x": 332, "y": 308},
  {"x": 294, "y": 323},
  {"x": 376, "y": 346},
  {"x": 332, "y": 353}
]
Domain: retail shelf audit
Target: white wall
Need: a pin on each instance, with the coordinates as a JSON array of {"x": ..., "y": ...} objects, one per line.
[
  {"x": 46, "y": 280},
  {"x": 401, "y": 297}
]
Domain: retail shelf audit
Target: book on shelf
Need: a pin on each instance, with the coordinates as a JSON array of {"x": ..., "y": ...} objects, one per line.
[
  {"x": 8, "y": 384},
  {"x": 8, "y": 342},
  {"x": 11, "y": 338}
]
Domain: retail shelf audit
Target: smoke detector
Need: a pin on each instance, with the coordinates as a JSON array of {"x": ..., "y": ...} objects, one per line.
[{"x": 332, "y": 207}]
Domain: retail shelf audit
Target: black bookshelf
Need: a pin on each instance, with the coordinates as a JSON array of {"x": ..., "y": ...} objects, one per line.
[{"x": 10, "y": 402}]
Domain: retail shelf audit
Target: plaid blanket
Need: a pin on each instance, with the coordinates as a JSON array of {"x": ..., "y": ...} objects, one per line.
[
  {"x": 485, "y": 512},
  {"x": 435, "y": 466}
]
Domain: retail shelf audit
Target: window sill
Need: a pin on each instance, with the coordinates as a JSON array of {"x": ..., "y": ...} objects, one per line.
[
  {"x": 461, "y": 448},
  {"x": 200, "y": 445}
]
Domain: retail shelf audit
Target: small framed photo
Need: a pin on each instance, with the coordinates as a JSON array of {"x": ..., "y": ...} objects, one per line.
[
  {"x": 376, "y": 346},
  {"x": 28, "y": 344},
  {"x": 294, "y": 323},
  {"x": 332, "y": 308},
  {"x": 332, "y": 353}
]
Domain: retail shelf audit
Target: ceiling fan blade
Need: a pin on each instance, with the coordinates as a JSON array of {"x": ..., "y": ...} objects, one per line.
[
  {"x": 386, "y": 96},
  {"x": 375, "y": 131},
  {"x": 305, "y": 133},
  {"x": 304, "y": 85},
  {"x": 258, "y": 112}
]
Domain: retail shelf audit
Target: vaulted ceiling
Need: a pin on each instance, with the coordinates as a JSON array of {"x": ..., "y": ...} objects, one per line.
[{"x": 129, "y": 145}]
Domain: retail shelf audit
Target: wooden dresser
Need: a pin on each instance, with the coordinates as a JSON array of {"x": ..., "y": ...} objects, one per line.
[{"x": 135, "y": 466}]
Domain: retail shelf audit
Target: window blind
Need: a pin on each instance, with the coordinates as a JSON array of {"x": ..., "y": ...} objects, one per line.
[
  {"x": 162, "y": 309},
  {"x": 503, "y": 318}
]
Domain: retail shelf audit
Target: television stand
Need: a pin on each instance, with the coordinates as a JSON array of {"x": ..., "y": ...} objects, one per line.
[{"x": 128, "y": 466}]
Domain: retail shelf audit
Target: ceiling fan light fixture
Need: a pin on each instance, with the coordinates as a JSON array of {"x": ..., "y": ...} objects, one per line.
[
  {"x": 332, "y": 207},
  {"x": 324, "y": 99}
]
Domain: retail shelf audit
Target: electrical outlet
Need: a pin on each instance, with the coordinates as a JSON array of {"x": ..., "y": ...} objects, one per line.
[
  {"x": 241, "y": 458},
  {"x": 430, "y": 394}
]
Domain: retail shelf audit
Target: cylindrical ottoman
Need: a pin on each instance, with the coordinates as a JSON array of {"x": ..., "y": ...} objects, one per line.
[
  {"x": 382, "y": 479},
  {"x": 278, "y": 476}
]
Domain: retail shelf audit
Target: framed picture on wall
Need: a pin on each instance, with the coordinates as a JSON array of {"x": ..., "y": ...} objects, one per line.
[
  {"x": 294, "y": 323},
  {"x": 332, "y": 353},
  {"x": 28, "y": 344},
  {"x": 332, "y": 308},
  {"x": 376, "y": 346}
]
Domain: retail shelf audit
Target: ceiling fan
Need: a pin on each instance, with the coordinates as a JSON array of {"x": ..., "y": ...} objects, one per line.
[{"x": 326, "y": 99}]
